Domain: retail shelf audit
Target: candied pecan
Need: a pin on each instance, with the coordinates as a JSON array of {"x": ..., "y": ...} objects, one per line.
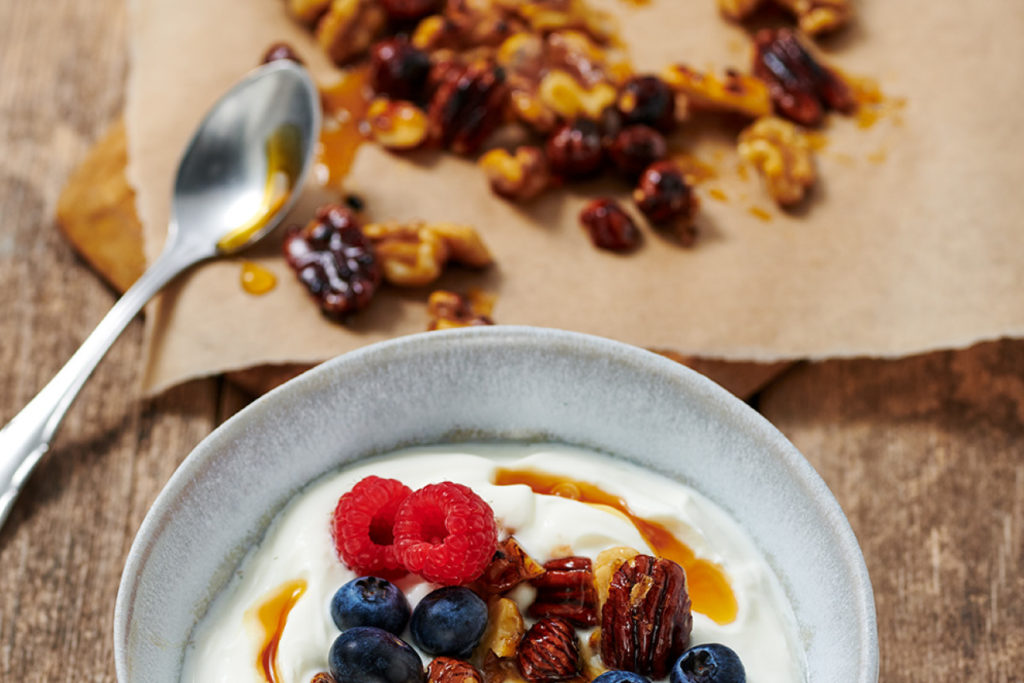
[
  {"x": 549, "y": 652},
  {"x": 348, "y": 28},
  {"x": 566, "y": 589},
  {"x": 505, "y": 628},
  {"x": 451, "y": 670},
  {"x": 519, "y": 177},
  {"x": 646, "y": 621},
  {"x": 396, "y": 124},
  {"x": 334, "y": 259},
  {"x": 648, "y": 100},
  {"x": 468, "y": 106},
  {"x": 279, "y": 51},
  {"x": 449, "y": 309},
  {"x": 323, "y": 677},
  {"x": 609, "y": 226},
  {"x": 801, "y": 87},
  {"x": 663, "y": 195},
  {"x": 509, "y": 567},
  {"x": 783, "y": 155},
  {"x": 413, "y": 254},
  {"x": 398, "y": 70},
  {"x": 737, "y": 92},
  {"x": 819, "y": 16},
  {"x": 575, "y": 149},
  {"x": 409, "y": 10},
  {"x": 635, "y": 148}
]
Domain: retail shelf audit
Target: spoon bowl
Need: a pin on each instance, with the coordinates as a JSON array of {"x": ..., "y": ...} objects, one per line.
[{"x": 239, "y": 176}]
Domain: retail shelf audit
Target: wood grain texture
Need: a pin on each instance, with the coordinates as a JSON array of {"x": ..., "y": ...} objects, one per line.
[{"x": 926, "y": 456}]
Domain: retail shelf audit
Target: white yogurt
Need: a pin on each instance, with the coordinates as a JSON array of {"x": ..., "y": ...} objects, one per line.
[{"x": 225, "y": 646}]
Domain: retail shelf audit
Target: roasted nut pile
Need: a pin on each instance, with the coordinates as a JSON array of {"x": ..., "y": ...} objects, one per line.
[{"x": 451, "y": 74}]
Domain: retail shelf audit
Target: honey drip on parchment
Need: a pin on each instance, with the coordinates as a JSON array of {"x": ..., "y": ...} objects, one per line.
[
  {"x": 345, "y": 104},
  {"x": 256, "y": 279},
  {"x": 707, "y": 584},
  {"x": 272, "y": 614}
]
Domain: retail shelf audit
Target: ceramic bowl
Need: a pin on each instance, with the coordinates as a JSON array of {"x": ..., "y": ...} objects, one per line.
[{"x": 492, "y": 384}]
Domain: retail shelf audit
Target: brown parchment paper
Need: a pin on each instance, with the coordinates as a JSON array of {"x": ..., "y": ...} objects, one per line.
[{"x": 913, "y": 239}]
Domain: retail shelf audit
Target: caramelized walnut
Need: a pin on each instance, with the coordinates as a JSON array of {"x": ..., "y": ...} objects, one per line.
[
  {"x": 334, "y": 259},
  {"x": 509, "y": 567},
  {"x": 819, "y": 16},
  {"x": 606, "y": 564},
  {"x": 609, "y": 226},
  {"x": 737, "y": 92},
  {"x": 396, "y": 124},
  {"x": 738, "y": 9},
  {"x": 562, "y": 94},
  {"x": 801, "y": 87},
  {"x": 505, "y": 628},
  {"x": 468, "y": 106},
  {"x": 413, "y": 254},
  {"x": 520, "y": 176},
  {"x": 398, "y": 70},
  {"x": 308, "y": 11},
  {"x": 783, "y": 156},
  {"x": 349, "y": 27},
  {"x": 449, "y": 309}
]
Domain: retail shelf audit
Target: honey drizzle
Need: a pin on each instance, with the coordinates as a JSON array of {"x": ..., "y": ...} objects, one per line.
[
  {"x": 707, "y": 583},
  {"x": 282, "y": 150},
  {"x": 345, "y": 104},
  {"x": 256, "y": 279},
  {"x": 272, "y": 615}
]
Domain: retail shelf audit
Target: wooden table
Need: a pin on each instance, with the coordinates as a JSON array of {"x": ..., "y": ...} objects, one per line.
[{"x": 925, "y": 454}]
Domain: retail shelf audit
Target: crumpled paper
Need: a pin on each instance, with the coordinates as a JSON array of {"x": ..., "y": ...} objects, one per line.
[{"x": 911, "y": 242}]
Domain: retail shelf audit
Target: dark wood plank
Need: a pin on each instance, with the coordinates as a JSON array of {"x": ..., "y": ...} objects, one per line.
[
  {"x": 926, "y": 455},
  {"x": 62, "y": 550}
]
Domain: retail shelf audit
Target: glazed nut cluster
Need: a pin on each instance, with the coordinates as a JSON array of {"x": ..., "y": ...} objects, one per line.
[{"x": 452, "y": 74}]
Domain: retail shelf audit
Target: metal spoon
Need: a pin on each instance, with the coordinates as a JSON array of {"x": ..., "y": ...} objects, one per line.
[{"x": 238, "y": 177}]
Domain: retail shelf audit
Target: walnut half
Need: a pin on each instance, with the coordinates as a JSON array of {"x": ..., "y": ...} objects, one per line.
[
  {"x": 783, "y": 155},
  {"x": 413, "y": 254}
]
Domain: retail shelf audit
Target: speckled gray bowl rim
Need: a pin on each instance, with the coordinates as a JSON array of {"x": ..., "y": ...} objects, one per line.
[{"x": 731, "y": 410}]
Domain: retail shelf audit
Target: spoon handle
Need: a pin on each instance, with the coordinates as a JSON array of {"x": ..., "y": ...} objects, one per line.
[{"x": 25, "y": 439}]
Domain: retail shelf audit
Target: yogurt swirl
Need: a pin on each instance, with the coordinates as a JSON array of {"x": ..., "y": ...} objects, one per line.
[{"x": 227, "y": 644}]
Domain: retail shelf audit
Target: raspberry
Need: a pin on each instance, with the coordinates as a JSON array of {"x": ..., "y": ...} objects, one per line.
[
  {"x": 362, "y": 526},
  {"x": 445, "y": 533}
]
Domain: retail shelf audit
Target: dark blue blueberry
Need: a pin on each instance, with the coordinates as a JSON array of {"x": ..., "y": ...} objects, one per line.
[
  {"x": 370, "y": 601},
  {"x": 711, "y": 663},
  {"x": 615, "y": 676},
  {"x": 449, "y": 622},
  {"x": 365, "y": 654}
]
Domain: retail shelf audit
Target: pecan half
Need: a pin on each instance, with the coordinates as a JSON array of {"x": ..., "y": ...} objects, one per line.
[
  {"x": 468, "y": 106},
  {"x": 646, "y": 621},
  {"x": 801, "y": 87},
  {"x": 549, "y": 652},
  {"x": 451, "y": 670},
  {"x": 566, "y": 589}
]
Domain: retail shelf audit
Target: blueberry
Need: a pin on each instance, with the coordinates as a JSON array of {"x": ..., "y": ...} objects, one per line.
[
  {"x": 711, "y": 663},
  {"x": 621, "y": 677},
  {"x": 370, "y": 601},
  {"x": 366, "y": 654},
  {"x": 449, "y": 621}
]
